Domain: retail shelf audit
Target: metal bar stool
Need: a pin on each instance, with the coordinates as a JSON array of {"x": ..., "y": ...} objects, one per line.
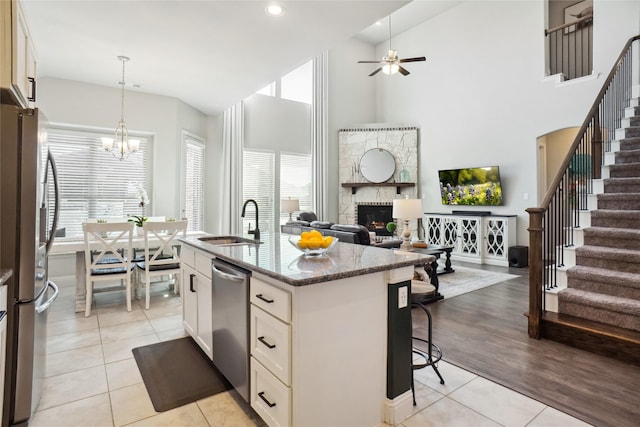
[{"x": 433, "y": 353}]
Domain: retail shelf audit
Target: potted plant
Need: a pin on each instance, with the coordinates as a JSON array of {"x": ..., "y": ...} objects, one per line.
[{"x": 138, "y": 220}]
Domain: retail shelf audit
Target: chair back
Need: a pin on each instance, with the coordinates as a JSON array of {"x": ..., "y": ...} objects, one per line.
[
  {"x": 108, "y": 243},
  {"x": 163, "y": 236}
]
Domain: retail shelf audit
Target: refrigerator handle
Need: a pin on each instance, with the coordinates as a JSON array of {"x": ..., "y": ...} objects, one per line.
[
  {"x": 56, "y": 212},
  {"x": 45, "y": 305}
]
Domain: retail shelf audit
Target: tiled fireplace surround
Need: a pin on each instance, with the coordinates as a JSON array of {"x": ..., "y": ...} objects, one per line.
[{"x": 401, "y": 142}]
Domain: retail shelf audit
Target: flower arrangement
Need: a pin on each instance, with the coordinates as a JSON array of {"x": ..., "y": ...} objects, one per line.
[{"x": 143, "y": 197}]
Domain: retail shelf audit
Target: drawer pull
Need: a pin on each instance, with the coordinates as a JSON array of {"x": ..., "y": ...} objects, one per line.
[
  {"x": 265, "y": 342},
  {"x": 268, "y": 301},
  {"x": 191, "y": 277},
  {"x": 261, "y": 395}
]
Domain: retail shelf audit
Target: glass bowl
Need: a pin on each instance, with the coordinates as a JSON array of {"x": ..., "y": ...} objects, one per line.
[{"x": 312, "y": 252}]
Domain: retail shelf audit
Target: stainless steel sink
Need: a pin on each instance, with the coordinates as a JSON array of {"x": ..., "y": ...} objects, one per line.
[{"x": 228, "y": 240}]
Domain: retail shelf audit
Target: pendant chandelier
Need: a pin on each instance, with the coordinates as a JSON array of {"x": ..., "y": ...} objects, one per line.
[{"x": 121, "y": 146}]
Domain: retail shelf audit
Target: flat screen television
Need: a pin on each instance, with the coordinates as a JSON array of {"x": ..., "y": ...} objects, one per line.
[{"x": 471, "y": 186}]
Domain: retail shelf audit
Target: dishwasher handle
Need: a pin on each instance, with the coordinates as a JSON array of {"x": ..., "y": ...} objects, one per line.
[{"x": 229, "y": 274}]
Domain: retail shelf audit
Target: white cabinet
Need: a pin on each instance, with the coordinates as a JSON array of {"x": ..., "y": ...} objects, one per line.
[
  {"x": 270, "y": 348},
  {"x": 479, "y": 239},
  {"x": 307, "y": 345},
  {"x": 18, "y": 62},
  {"x": 197, "y": 297}
]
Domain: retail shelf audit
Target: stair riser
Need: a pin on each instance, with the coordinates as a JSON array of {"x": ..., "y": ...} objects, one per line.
[
  {"x": 624, "y": 171},
  {"x": 607, "y": 261},
  {"x": 631, "y": 121},
  {"x": 615, "y": 222},
  {"x": 630, "y": 144},
  {"x": 632, "y": 132},
  {"x": 605, "y": 288},
  {"x": 609, "y": 242},
  {"x": 619, "y": 203},
  {"x": 627, "y": 156},
  {"x": 599, "y": 315},
  {"x": 621, "y": 187}
]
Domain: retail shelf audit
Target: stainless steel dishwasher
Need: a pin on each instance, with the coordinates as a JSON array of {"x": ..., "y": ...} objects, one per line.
[{"x": 230, "y": 322}]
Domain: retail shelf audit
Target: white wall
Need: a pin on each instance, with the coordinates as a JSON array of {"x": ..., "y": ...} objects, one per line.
[
  {"x": 351, "y": 102},
  {"x": 480, "y": 98},
  {"x": 86, "y": 105}
]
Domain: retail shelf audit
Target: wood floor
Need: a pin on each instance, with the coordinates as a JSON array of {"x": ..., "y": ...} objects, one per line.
[{"x": 485, "y": 332}]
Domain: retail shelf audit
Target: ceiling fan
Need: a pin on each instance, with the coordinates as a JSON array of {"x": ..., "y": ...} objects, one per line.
[{"x": 390, "y": 63}]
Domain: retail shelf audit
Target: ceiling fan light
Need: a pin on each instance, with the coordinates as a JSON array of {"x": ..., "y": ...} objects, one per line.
[{"x": 390, "y": 68}]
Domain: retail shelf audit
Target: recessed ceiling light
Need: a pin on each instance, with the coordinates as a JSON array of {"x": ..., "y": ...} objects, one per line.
[{"x": 275, "y": 10}]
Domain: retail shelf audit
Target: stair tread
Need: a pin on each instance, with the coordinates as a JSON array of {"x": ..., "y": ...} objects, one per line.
[
  {"x": 631, "y": 213},
  {"x": 597, "y": 274},
  {"x": 621, "y": 233},
  {"x": 604, "y": 250},
  {"x": 601, "y": 301}
]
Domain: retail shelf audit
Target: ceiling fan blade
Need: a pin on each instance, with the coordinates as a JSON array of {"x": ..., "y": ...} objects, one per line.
[
  {"x": 375, "y": 72},
  {"x": 403, "y": 71},
  {"x": 369, "y": 62},
  {"x": 416, "y": 59}
]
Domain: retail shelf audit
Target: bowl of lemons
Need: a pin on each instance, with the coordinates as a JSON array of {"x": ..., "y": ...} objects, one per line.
[{"x": 313, "y": 243}]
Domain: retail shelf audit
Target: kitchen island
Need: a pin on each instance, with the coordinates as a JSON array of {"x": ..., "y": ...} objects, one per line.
[{"x": 329, "y": 339}]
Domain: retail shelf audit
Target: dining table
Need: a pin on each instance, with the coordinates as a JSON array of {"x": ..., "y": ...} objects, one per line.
[{"x": 77, "y": 245}]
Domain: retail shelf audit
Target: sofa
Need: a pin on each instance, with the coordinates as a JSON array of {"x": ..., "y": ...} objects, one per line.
[{"x": 347, "y": 233}]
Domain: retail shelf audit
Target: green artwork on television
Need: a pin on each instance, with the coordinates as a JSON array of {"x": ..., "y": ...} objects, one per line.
[{"x": 471, "y": 186}]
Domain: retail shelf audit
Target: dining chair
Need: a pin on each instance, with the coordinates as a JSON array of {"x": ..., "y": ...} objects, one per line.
[
  {"x": 107, "y": 257},
  {"x": 161, "y": 253}
]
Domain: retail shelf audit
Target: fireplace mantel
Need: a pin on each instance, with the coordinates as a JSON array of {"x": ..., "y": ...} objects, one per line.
[{"x": 355, "y": 185}]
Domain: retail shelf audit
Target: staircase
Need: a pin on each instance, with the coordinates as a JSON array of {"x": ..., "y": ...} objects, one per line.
[{"x": 602, "y": 294}]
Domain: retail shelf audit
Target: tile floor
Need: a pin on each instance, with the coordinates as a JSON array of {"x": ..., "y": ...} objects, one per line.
[{"x": 92, "y": 378}]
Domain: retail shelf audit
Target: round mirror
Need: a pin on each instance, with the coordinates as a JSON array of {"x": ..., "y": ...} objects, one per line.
[{"x": 377, "y": 165}]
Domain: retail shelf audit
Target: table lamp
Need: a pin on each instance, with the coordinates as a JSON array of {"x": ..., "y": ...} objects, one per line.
[
  {"x": 289, "y": 206},
  {"x": 407, "y": 209}
]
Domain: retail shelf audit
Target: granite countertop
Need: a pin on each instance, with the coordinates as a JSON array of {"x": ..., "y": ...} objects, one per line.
[{"x": 276, "y": 257}]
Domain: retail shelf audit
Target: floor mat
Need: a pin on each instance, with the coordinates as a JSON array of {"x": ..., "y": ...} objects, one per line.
[{"x": 177, "y": 372}]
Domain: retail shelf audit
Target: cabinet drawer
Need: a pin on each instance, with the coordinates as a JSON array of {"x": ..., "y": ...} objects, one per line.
[
  {"x": 271, "y": 343},
  {"x": 269, "y": 397},
  {"x": 188, "y": 255},
  {"x": 273, "y": 300},
  {"x": 203, "y": 265}
]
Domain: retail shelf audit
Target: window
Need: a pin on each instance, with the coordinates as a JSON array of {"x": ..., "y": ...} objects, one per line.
[
  {"x": 193, "y": 179},
  {"x": 295, "y": 181},
  {"x": 258, "y": 183},
  {"x": 298, "y": 84},
  {"x": 93, "y": 183}
]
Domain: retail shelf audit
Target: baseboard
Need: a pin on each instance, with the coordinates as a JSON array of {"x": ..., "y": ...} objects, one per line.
[{"x": 398, "y": 409}]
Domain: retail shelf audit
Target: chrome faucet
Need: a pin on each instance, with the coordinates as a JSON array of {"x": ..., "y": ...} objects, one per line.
[{"x": 256, "y": 231}]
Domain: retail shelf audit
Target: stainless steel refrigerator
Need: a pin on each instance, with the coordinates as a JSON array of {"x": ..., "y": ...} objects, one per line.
[{"x": 26, "y": 167}]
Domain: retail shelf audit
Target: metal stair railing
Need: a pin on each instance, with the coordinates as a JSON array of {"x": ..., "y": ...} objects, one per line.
[{"x": 552, "y": 224}]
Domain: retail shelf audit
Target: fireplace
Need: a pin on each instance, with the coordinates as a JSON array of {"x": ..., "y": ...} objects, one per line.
[{"x": 375, "y": 217}]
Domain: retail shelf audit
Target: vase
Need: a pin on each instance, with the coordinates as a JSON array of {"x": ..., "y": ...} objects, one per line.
[
  {"x": 139, "y": 231},
  {"x": 405, "y": 176}
]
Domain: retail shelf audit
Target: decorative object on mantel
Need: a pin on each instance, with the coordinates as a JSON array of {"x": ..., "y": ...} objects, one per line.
[
  {"x": 377, "y": 165},
  {"x": 121, "y": 146},
  {"x": 407, "y": 209},
  {"x": 390, "y": 63}
]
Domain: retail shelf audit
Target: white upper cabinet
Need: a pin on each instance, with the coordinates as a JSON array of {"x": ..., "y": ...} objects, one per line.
[{"x": 18, "y": 66}]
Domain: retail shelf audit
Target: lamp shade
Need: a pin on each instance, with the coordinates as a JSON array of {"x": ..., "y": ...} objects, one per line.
[
  {"x": 407, "y": 208},
  {"x": 289, "y": 205}
]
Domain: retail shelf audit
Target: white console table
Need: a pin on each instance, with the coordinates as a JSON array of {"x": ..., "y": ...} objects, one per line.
[{"x": 475, "y": 238}]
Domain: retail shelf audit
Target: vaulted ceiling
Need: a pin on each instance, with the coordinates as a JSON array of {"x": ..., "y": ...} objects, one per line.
[{"x": 208, "y": 53}]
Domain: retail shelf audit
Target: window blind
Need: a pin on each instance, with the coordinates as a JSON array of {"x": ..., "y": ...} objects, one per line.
[
  {"x": 194, "y": 184},
  {"x": 258, "y": 178},
  {"x": 295, "y": 181},
  {"x": 92, "y": 182}
]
